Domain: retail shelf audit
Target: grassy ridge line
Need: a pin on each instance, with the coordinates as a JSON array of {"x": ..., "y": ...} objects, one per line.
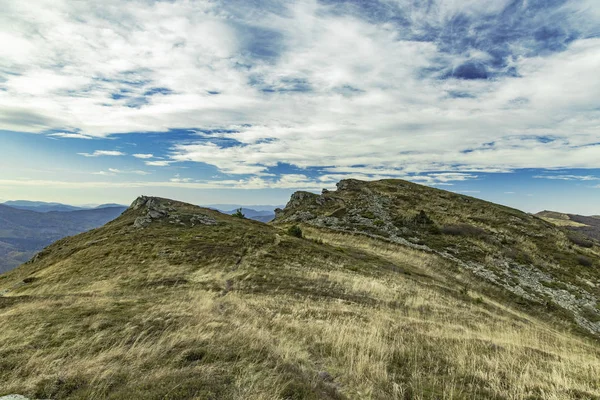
[
  {"x": 514, "y": 251},
  {"x": 240, "y": 310}
]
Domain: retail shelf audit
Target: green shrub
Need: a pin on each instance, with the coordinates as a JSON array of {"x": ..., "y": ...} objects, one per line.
[
  {"x": 369, "y": 215},
  {"x": 584, "y": 261},
  {"x": 238, "y": 213},
  {"x": 295, "y": 231},
  {"x": 463, "y": 230},
  {"x": 422, "y": 219},
  {"x": 580, "y": 241}
]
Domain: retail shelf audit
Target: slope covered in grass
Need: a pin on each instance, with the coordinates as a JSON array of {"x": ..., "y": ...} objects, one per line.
[
  {"x": 587, "y": 226},
  {"x": 172, "y": 301},
  {"x": 531, "y": 260}
]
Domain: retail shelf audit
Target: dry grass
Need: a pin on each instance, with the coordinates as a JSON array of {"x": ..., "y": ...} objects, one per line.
[
  {"x": 562, "y": 222},
  {"x": 385, "y": 322}
]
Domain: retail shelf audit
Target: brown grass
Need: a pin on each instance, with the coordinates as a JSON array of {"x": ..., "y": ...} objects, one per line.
[{"x": 384, "y": 321}]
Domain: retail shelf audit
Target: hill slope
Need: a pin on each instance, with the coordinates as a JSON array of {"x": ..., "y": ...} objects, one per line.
[
  {"x": 25, "y": 232},
  {"x": 520, "y": 253},
  {"x": 172, "y": 301},
  {"x": 587, "y": 226}
]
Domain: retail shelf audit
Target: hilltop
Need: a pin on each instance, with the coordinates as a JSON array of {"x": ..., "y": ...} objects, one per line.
[
  {"x": 175, "y": 301},
  {"x": 518, "y": 252},
  {"x": 586, "y": 225}
]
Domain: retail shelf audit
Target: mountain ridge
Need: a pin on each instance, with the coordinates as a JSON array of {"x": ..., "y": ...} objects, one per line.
[
  {"x": 588, "y": 226},
  {"x": 515, "y": 250},
  {"x": 172, "y": 300}
]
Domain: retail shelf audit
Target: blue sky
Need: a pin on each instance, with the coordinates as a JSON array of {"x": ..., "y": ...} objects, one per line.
[{"x": 245, "y": 102}]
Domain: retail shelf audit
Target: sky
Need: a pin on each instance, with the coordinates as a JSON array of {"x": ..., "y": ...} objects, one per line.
[{"x": 245, "y": 102}]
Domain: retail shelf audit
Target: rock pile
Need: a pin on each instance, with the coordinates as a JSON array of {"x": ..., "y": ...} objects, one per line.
[{"x": 160, "y": 210}]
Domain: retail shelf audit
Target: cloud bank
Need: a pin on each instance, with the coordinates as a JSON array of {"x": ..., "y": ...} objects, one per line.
[{"x": 373, "y": 89}]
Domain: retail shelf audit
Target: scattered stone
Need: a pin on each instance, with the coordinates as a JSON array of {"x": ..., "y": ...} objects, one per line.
[
  {"x": 155, "y": 211},
  {"x": 325, "y": 376},
  {"x": 155, "y": 214},
  {"x": 202, "y": 219}
]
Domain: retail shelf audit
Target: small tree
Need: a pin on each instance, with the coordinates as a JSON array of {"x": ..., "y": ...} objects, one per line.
[
  {"x": 239, "y": 214},
  {"x": 295, "y": 231}
]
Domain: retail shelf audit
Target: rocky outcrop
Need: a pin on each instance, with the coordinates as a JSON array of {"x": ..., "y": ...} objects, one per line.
[
  {"x": 301, "y": 198},
  {"x": 356, "y": 208},
  {"x": 156, "y": 209}
]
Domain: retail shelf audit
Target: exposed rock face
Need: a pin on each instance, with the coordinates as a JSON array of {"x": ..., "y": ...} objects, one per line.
[
  {"x": 300, "y": 198},
  {"x": 349, "y": 184},
  {"x": 158, "y": 209}
]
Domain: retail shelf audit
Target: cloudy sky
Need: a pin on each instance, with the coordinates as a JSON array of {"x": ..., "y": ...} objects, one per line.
[{"x": 239, "y": 101}]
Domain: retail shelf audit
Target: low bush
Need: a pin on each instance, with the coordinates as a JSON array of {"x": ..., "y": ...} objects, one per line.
[
  {"x": 581, "y": 241},
  {"x": 422, "y": 219},
  {"x": 585, "y": 261},
  {"x": 239, "y": 214},
  {"x": 463, "y": 230},
  {"x": 295, "y": 231}
]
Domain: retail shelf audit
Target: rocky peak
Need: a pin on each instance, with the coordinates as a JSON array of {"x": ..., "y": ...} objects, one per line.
[
  {"x": 301, "y": 197},
  {"x": 349, "y": 184},
  {"x": 156, "y": 209},
  {"x": 149, "y": 202}
]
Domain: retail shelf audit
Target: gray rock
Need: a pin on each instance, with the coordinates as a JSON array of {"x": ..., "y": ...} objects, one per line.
[
  {"x": 325, "y": 376},
  {"x": 348, "y": 184},
  {"x": 141, "y": 222},
  {"x": 139, "y": 203},
  {"x": 156, "y": 214},
  {"x": 202, "y": 219}
]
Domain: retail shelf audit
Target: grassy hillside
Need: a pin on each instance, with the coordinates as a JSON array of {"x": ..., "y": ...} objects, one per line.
[
  {"x": 172, "y": 301},
  {"x": 25, "y": 232},
  {"x": 587, "y": 226},
  {"x": 541, "y": 264}
]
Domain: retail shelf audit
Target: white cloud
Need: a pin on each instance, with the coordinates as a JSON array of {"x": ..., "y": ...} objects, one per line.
[
  {"x": 158, "y": 163},
  {"x": 99, "y": 153},
  {"x": 284, "y": 182},
  {"x": 569, "y": 177},
  {"x": 115, "y": 171},
  {"x": 65, "y": 135},
  {"x": 104, "y": 173},
  {"x": 179, "y": 179},
  {"x": 368, "y": 99}
]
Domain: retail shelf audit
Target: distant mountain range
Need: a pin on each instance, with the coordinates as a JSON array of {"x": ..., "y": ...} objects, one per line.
[
  {"x": 24, "y": 232},
  {"x": 262, "y": 213},
  {"x": 41, "y": 206},
  {"x": 257, "y": 207},
  {"x": 251, "y": 213}
]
